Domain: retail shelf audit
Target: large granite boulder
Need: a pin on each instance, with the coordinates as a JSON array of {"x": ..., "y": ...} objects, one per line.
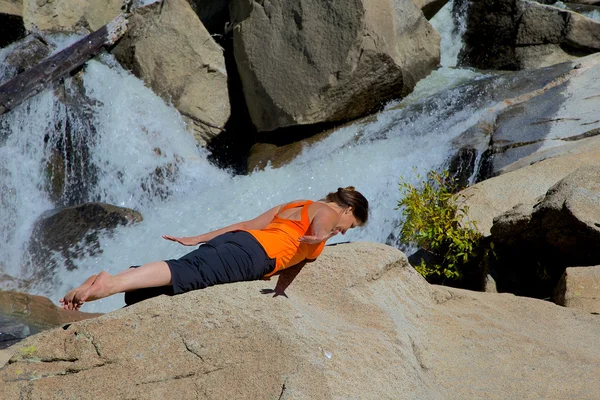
[
  {"x": 357, "y": 323},
  {"x": 69, "y": 15},
  {"x": 72, "y": 232},
  {"x": 536, "y": 242},
  {"x": 172, "y": 52},
  {"x": 521, "y": 34},
  {"x": 579, "y": 287},
  {"x": 305, "y": 61}
]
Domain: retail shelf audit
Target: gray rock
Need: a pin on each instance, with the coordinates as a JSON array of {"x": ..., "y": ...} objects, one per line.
[
  {"x": 305, "y": 62},
  {"x": 555, "y": 115}
]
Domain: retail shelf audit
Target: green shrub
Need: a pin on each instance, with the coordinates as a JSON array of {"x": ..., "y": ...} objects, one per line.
[{"x": 434, "y": 223}]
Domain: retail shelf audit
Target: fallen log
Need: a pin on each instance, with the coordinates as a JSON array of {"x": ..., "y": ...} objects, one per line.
[{"x": 36, "y": 79}]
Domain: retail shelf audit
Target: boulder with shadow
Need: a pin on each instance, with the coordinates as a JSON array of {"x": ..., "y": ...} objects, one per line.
[
  {"x": 63, "y": 235},
  {"x": 521, "y": 34},
  {"x": 308, "y": 62},
  {"x": 536, "y": 242}
]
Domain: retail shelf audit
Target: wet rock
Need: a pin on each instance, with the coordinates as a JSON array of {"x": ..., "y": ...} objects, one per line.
[
  {"x": 22, "y": 315},
  {"x": 70, "y": 173},
  {"x": 554, "y": 115},
  {"x": 306, "y": 62},
  {"x": 529, "y": 180},
  {"x": 72, "y": 232},
  {"x": 27, "y": 54},
  {"x": 172, "y": 52}
]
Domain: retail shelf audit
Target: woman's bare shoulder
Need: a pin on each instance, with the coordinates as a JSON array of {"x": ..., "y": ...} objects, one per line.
[{"x": 319, "y": 207}]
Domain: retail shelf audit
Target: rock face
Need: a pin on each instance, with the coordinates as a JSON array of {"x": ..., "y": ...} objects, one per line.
[
  {"x": 72, "y": 231},
  {"x": 69, "y": 15},
  {"x": 536, "y": 242},
  {"x": 521, "y": 34},
  {"x": 579, "y": 288},
  {"x": 430, "y": 7},
  {"x": 358, "y": 323},
  {"x": 168, "y": 48},
  {"x": 530, "y": 179},
  {"x": 304, "y": 62},
  {"x": 11, "y": 7},
  {"x": 23, "y": 314}
]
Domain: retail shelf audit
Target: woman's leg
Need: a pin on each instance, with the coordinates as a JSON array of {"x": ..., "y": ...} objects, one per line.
[{"x": 148, "y": 275}]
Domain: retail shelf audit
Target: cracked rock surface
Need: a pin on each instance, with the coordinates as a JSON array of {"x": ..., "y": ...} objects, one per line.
[{"x": 358, "y": 323}]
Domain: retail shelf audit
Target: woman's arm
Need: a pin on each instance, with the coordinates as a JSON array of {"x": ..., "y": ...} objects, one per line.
[
  {"x": 322, "y": 224},
  {"x": 259, "y": 222}
]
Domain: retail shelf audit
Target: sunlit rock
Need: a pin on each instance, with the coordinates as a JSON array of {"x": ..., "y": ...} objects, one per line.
[
  {"x": 579, "y": 288},
  {"x": 357, "y": 323},
  {"x": 544, "y": 220},
  {"x": 305, "y": 62},
  {"x": 168, "y": 48},
  {"x": 69, "y": 15}
]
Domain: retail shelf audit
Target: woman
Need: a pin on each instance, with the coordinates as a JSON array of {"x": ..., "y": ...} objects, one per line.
[{"x": 280, "y": 238}]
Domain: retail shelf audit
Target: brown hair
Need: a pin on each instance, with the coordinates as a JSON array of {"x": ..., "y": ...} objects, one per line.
[{"x": 348, "y": 197}]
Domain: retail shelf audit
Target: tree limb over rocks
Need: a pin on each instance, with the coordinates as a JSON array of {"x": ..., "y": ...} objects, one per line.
[{"x": 31, "y": 82}]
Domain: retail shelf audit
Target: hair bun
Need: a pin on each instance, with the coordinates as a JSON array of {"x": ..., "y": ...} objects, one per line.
[{"x": 347, "y": 188}]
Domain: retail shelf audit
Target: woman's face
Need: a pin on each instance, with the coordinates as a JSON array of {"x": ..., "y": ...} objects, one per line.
[{"x": 347, "y": 221}]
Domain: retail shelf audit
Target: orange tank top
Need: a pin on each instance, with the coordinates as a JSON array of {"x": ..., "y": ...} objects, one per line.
[{"x": 280, "y": 239}]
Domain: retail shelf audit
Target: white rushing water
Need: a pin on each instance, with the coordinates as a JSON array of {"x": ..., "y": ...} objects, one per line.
[{"x": 136, "y": 133}]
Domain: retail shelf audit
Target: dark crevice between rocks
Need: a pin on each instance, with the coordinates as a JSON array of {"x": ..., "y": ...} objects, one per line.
[
  {"x": 11, "y": 29},
  {"x": 229, "y": 150}
]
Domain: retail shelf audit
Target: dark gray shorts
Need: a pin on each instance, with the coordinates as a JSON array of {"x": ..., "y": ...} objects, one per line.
[{"x": 230, "y": 257}]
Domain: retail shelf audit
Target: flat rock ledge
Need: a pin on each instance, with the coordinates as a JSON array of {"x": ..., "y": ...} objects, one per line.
[{"x": 358, "y": 323}]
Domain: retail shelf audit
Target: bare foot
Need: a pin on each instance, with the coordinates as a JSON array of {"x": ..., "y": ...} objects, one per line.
[
  {"x": 67, "y": 301},
  {"x": 99, "y": 289}
]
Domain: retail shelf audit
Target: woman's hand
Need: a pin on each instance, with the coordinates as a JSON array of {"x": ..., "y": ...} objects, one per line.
[
  {"x": 314, "y": 239},
  {"x": 186, "y": 241}
]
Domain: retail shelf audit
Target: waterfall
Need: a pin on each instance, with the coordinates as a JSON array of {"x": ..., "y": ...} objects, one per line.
[{"x": 129, "y": 134}]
